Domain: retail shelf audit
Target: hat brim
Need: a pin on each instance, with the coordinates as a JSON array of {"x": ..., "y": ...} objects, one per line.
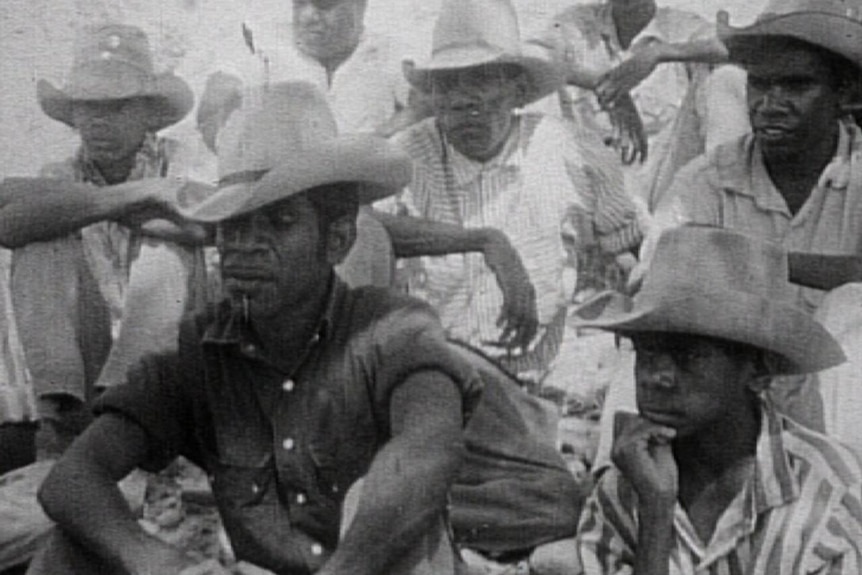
[
  {"x": 377, "y": 166},
  {"x": 829, "y": 31},
  {"x": 545, "y": 76},
  {"x": 171, "y": 96},
  {"x": 729, "y": 315}
]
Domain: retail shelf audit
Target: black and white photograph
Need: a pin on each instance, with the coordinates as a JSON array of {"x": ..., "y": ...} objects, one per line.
[{"x": 430, "y": 287}]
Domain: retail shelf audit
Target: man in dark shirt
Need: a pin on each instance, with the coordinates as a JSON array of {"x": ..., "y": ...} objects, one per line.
[{"x": 290, "y": 390}]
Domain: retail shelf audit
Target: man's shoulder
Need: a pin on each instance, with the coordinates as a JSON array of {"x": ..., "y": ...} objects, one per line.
[
  {"x": 821, "y": 457},
  {"x": 377, "y": 304}
]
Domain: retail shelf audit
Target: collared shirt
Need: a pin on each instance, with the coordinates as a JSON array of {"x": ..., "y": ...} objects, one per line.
[
  {"x": 363, "y": 92},
  {"x": 539, "y": 181},
  {"x": 799, "y": 512},
  {"x": 283, "y": 445},
  {"x": 731, "y": 188}
]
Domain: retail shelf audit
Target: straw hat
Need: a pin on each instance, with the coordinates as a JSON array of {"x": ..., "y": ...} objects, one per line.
[
  {"x": 835, "y": 25},
  {"x": 113, "y": 62},
  {"x": 282, "y": 141},
  {"x": 471, "y": 33},
  {"x": 719, "y": 283}
]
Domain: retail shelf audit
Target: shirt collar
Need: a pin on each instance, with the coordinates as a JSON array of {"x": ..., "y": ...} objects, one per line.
[
  {"x": 465, "y": 170},
  {"x": 608, "y": 29},
  {"x": 228, "y": 328},
  {"x": 750, "y": 177}
]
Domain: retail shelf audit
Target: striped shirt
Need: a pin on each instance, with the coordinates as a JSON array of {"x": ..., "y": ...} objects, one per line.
[
  {"x": 539, "y": 181},
  {"x": 800, "y": 512}
]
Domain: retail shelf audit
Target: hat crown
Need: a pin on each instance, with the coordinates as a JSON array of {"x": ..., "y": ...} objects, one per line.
[
  {"x": 113, "y": 43},
  {"x": 489, "y": 24},
  {"x": 849, "y": 9},
  {"x": 274, "y": 122},
  {"x": 705, "y": 259}
]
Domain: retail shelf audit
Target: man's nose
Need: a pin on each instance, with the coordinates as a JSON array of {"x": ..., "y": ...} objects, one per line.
[
  {"x": 659, "y": 372},
  {"x": 773, "y": 98}
]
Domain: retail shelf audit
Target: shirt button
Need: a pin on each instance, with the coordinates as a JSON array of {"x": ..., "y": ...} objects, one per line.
[
  {"x": 255, "y": 488},
  {"x": 301, "y": 499},
  {"x": 249, "y": 349},
  {"x": 317, "y": 549},
  {"x": 288, "y": 444},
  {"x": 288, "y": 385}
]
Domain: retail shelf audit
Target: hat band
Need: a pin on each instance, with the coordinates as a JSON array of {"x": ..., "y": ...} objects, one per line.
[{"x": 244, "y": 177}]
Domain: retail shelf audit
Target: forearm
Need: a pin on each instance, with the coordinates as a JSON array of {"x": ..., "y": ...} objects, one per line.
[
  {"x": 655, "y": 538},
  {"x": 33, "y": 210},
  {"x": 823, "y": 271},
  {"x": 82, "y": 496},
  {"x": 415, "y": 237},
  {"x": 707, "y": 51},
  {"x": 402, "y": 498}
]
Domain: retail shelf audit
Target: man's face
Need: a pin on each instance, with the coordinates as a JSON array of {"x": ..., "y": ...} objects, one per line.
[
  {"x": 792, "y": 100},
  {"x": 111, "y": 130},
  {"x": 690, "y": 382},
  {"x": 474, "y": 108},
  {"x": 327, "y": 28},
  {"x": 274, "y": 258}
]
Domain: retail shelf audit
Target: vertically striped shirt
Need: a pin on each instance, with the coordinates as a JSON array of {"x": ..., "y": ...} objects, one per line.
[
  {"x": 540, "y": 180},
  {"x": 799, "y": 513}
]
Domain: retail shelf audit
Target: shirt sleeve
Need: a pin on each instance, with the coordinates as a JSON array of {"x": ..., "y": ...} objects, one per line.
[
  {"x": 600, "y": 186},
  {"x": 156, "y": 396},
  {"x": 410, "y": 339},
  {"x": 607, "y": 532}
]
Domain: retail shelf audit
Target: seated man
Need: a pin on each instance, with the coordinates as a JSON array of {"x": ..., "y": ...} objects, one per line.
[
  {"x": 707, "y": 476},
  {"x": 292, "y": 388}
]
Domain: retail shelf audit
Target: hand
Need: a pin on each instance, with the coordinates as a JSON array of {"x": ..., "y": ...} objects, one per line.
[
  {"x": 627, "y": 75},
  {"x": 629, "y": 135},
  {"x": 518, "y": 318},
  {"x": 150, "y": 199},
  {"x": 642, "y": 452}
]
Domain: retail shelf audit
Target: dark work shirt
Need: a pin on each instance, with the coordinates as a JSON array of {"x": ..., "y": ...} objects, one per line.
[{"x": 282, "y": 448}]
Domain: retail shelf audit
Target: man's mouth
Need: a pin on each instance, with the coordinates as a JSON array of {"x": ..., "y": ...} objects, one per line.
[
  {"x": 773, "y": 132},
  {"x": 247, "y": 273}
]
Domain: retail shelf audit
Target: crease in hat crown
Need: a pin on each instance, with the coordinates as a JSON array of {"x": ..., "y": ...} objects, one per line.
[
  {"x": 112, "y": 62},
  {"x": 835, "y": 25},
  {"x": 284, "y": 140},
  {"x": 719, "y": 283},
  {"x": 470, "y": 33}
]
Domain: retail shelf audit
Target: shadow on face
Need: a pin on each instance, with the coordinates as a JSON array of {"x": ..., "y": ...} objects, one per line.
[
  {"x": 112, "y": 131},
  {"x": 327, "y": 29}
]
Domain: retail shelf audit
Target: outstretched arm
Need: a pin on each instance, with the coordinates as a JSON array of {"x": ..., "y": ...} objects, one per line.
[
  {"x": 96, "y": 514},
  {"x": 43, "y": 209},
  {"x": 404, "y": 491}
]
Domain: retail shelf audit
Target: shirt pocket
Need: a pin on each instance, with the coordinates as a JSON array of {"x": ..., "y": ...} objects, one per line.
[{"x": 242, "y": 484}]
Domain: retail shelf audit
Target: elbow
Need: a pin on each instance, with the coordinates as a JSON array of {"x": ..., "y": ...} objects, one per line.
[{"x": 52, "y": 493}]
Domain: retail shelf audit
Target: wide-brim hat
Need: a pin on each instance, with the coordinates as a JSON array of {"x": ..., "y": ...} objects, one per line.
[
  {"x": 477, "y": 33},
  {"x": 113, "y": 62},
  {"x": 834, "y": 25},
  {"x": 282, "y": 141},
  {"x": 719, "y": 283}
]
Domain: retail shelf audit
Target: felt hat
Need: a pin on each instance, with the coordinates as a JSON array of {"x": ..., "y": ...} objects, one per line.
[
  {"x": 282, "y": 141},
  {"x": 835, "y": 25},
  {"x": 472, "y": 33},
  {"x": 113, "y": 62},
  {"x": 719, "y": 283}
]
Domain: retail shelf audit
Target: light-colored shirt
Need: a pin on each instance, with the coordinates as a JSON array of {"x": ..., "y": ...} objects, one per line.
[
  {"x": 529, "y": 190},
  {"x": 799, "y": 512},
  {"x": 731, "y": 188},
  {"x": 363, "y": 92}
]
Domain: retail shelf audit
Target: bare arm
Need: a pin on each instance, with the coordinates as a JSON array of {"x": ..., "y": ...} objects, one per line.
[
  {"x": 98, "y": 515},
  {"x": 822, "y": 271},
  {"x": 405, "y": 489},
  {"x": 414, "y": 237},
  {"x": 42, "y": 209}
]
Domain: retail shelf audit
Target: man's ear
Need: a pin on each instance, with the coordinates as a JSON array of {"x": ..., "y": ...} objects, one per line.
[{"x": 340, "y": 237}]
